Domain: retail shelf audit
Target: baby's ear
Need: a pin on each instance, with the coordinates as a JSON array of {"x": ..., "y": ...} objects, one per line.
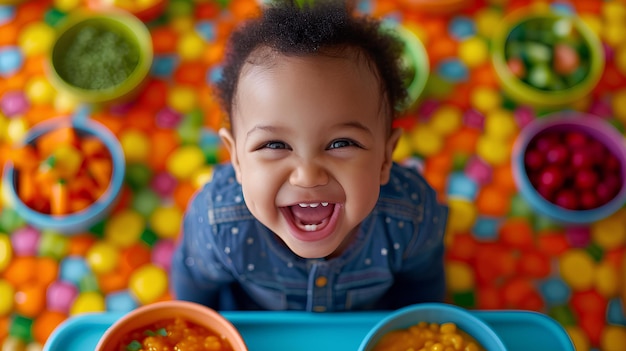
[
  {"x": 390, "y": 145},
  {"x": 229, "y": 141}
]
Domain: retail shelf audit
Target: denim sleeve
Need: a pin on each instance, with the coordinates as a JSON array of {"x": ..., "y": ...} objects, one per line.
[
  {"x": 422, "y": 276},
  {"x": 197, "y": 272}
]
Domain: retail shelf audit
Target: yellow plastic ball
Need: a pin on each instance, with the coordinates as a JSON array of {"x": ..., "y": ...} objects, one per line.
[
  {"x": 610, "y": 232},
  {"x": 494, "y": 151},
  {"x": 403, "y": 149},
  {"x": 613, "y": 12},
  {"x": 182, "y": 99},
  {"x": 39, "y": 91},
  {"x": 613, "y": 338},
  {"x": 459, "y": 276},
  {"x": 620, "y": 59},
  {"x": 618, "y": 103},
  {"x": 6, "y": 251},
  {"x": 136, "y": 145},
  {"x": 65, "y": 103},
  {"x": 148, "y": 283},
  {"x": 473, "y": 51},
  {"x": 124, "y": 228},
  {"x": 425, "y": 141},
  {"x": 579, "y": 337},
  {"x": 184, "y": 161},
  {"x": 613, "y": 33},
  {"x": 88, "y": 302},
  {"x": 166, "y": 221},
  {"x": 181, "y": 24},
  {"x": 66, "y": 5},
  {"x": 446, "y": 120},
  {"x": 486, "y": 20},
  {"x": 190, "y": 46},
  {"x": 17, "y": 128},
  {"x": 102, "y": 257},
  {"x": 36, "y": 38},
  {"x": 485, "y": 99},
  {"x": 577, "y": 269},
  {"x": 202, "y": 176},
  {"x": 500, "y": 124},
  {"x": 462, "y": 215},
  {"x": 606, "y": 280},
  {"x": 4, "y": 125},
  {"x": 6, "y": 297}
]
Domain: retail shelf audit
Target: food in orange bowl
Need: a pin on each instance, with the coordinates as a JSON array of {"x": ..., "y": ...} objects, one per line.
[{"x": 172, "y": 325}]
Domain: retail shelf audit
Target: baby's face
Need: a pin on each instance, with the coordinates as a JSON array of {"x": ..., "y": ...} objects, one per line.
[{"x": 311, "y": 147}]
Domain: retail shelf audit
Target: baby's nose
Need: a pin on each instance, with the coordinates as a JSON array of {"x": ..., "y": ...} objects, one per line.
[{"x": 308, "y": 174}]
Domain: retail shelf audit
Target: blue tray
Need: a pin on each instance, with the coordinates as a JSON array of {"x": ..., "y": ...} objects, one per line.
[{"x": 302, "y": 331}]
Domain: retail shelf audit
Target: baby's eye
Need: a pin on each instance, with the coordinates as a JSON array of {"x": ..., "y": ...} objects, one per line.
[
  {"x": 339, "y": 143},
  {"x": 275, "y": 145}
]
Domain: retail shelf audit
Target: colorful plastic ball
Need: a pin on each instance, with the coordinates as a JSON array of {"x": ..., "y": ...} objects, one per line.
[
  {"x": 425, "y": 141},
  {"x": 614, "y": 312},
  {"x": 459, "y": 276},
  {"x": 162, "y": 253},
  {"x": 462, "y": 215},
  {"x": 7, "y": 13},
  {"x": 6, "y": 251},
  {"x": 478, "y": 170},
  {"x": 485, "y": 99},
  {"x": 11, "y": 60},
  {"x": 163, "y": 184},
  {"x": 190, "y": 46},
  {"x": 166, "y": 221},
  {"x": 53, "y": 244},
  {"x": 67, "y": 5},
  {"x": 182, "y": 99},
  {"x": 473, "y": 119},
  {"x": 163, "y": 65},
  {"x": 184, "y": 161},
  {"x": 88, "y": 302},
  {"x": 7, "y": 292},
  {"x": 25, "y": 241},
  {"x": 120, "y": 301},
  {"x": 138, "y": 175},
  {"x": 500, "y": 124},
  {"x": 473, "y": 52},
  {"x": 135, "y": 144},
  {"x": 578, "y": 236},
  {"x": 446, "y": 119},
  {"x": 206, "y": 29},
  {"x": 460, "y": 185},
  {"x": 124, "y": 228},
  {"x": 39, "y": 91},
  {"x": 102, "y": 257},
  {"x": 145, "y": 201},
  {"x": 461, "y": 27},
  {"x": 73, "y": 268},
  {"x": 167, "y": 118},
  {"x": 486, "y": 228},
  {"x": 14, "y": 103},
  {"x": 60, "y": 296},
  {"x": 607, "y": 279},
  {"x": 492, "y": 150},
  {"x": 610, "y": 232},
  {"x": 577, "y": 269},
  {"x": 453, "y": 70},
  {"x": 148, "y": 283},
  {"x": 555, "y": 291},
  {"x": 36, "y": 38}
]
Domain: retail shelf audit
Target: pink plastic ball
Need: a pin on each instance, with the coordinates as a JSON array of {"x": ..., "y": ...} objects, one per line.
[
  {"x": 60, "y": 296},
  {"x": 162, "y": 253},
  {"x": 25, "y": 241}
]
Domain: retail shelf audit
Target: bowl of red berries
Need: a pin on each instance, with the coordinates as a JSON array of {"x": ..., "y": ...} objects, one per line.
[{"x": 571, "y": 167}]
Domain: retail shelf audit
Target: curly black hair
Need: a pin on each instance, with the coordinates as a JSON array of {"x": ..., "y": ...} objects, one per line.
[{"x": 315, "y": 27}]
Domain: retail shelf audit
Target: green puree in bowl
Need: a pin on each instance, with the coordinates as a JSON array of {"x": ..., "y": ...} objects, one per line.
[{"x": 97, "y": 58}]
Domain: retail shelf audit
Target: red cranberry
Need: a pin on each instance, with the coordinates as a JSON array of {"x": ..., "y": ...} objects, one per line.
[
  {"x": 581, "y": 158},
  {"x": 575, "y": 139},
  {"x": 605, "y": 193},
  {"x": 586, "y": 178},
  {"x": 551, "y": 177},
  {"x": 545, "y": 141},
  {"x": 589, "y": 200},
  {"x": 611, "y": 163},
  {"x": 534, "y": 159},
  {"x": 557, "y": 155},
  {"x": 566, "y": 198}
]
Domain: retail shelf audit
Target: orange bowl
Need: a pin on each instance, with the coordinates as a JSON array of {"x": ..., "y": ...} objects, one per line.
[{"x": 147, "y": 315}]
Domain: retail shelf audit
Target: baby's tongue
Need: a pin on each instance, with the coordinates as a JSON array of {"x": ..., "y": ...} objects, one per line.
[{"x": 311, "y": 215}]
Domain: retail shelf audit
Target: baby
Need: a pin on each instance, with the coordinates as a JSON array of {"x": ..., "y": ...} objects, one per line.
[{"x": 312, "y": 213}]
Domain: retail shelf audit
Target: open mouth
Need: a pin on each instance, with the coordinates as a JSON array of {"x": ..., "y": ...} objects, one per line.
[{"x": 312, "y": 220}]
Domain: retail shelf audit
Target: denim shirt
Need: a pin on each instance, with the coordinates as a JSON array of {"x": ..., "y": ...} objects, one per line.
[{"x": 226, "y": 259}]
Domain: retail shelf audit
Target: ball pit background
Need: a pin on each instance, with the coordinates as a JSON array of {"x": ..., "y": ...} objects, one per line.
[{"x": 500, "y": 253}]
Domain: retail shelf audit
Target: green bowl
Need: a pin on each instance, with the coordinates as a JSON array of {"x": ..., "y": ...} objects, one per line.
[
  {"x": 516, "y": 29},
  {"x": 100, "y": 57}
]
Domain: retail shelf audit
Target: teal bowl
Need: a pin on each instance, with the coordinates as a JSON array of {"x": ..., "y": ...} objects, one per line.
[{"x": 433, "y": 312}]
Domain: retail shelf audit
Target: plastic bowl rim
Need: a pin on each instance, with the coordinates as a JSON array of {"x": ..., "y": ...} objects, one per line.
[
  {"x": 526, "y": 189},
  {"x": 70, "y": 223}
]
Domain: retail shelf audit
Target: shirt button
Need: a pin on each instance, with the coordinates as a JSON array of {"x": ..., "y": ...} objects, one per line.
[{"x": 320, "y": 282}]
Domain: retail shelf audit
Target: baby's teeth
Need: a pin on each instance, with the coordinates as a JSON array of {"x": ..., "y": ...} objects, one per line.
[
  {"x": 324, "y": 204},
  {"x": 310, "y": 227},
  {"x": 314, "y": 205}
]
